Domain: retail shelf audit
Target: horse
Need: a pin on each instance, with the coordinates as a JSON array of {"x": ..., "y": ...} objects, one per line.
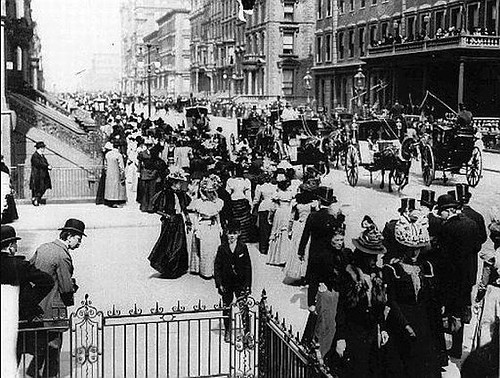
[{"x": 390, "y": 161}]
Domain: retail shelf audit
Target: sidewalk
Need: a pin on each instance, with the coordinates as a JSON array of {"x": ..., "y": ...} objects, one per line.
[{"x": 491, "y": 161}]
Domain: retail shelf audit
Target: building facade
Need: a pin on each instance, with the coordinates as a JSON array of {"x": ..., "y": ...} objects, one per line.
[
  {"x": 174, "y": 36},
  {"x": 103, "y": 73},
  {"x": 138, "y": 19},
  {"x": 264, "y": 57},
  {"x": 406, "y": 48}
]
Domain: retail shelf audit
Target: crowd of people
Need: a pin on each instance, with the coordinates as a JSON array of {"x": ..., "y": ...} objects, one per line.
[{"x": 379, "y": 306}]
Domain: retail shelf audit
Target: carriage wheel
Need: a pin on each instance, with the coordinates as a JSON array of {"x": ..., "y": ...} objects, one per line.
[
  {"x": 474, "y": 167},
  {"x": 428, "y": 168},
  {"x": 351, "y": 165}
]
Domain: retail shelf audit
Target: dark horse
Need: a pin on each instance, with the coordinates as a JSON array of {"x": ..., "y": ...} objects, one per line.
[
  {"x": 398, "y": 168},
  {"x": 338, "y": 147}
]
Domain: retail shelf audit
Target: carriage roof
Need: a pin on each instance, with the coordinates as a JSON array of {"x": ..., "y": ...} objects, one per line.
[
  {"x": 196, "y": 111},
  {"x": 382, "y": 128}
]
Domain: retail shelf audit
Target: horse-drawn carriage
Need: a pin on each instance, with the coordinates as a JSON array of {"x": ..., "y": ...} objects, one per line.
[
  {"x": 196, "y": 116},
  {"x": 375, "y": 146},
  {"x": 450, "y": 148}
]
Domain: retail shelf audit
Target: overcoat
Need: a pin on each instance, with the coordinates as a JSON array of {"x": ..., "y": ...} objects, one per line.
[
  {"x": 233, "y": 270},
  {"x": 54, "y": 259},
  {"x": 114, "y": 189},
  {"x": 40, "y": 178}
]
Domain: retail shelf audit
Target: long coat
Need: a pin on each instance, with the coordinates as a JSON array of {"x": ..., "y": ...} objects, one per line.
[
  {"x": 54, "y": 258},
  {"x": 114, "y": 189},
  {"x": 40, "y": 178},
  {"x": 318, "y": 228},
  {"x": 233, "y": 270}
]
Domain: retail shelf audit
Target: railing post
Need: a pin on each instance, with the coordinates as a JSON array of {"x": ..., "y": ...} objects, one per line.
[{"x": 263, "y": 342}]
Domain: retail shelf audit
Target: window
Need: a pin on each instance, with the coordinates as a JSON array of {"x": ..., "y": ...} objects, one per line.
[
  {"x": 410, "y": 28},
  {"x": 491, "y": 16},
  {"x": 288, "y": 75},
  {"x": 374, "y": 2},
  {"x": 263, "y": 12},
  {"x": 328, "y": 48},
  {"x": 351, "y": 5},
  {"x": 288, "y": 43},
  {"x": 341, "y": 45},
  {"x": 472, "y": 17},
  {"x": 249, "y": 44},
  {"x": 439, "y": 20},
  {"x": 385, "y": 29},
  {"x": 373, "y": 35},
  {"x": 361, "y": 40},
  {"x": 351, "y": 43},
  {"x": 328, "y": 8},
  {"x": 362, "y": 4},
  {"x": 320, "y": 9},
  {"x": 262, "y": 37},
  {"x": 318, "y": 49},
  {"x": 455, "y": 18},
  {"x": 341, "y": 6},
  {"x": 288, "y": 11}
]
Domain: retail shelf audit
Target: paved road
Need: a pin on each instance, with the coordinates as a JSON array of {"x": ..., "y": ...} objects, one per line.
[{"x": 112, "y": 264}]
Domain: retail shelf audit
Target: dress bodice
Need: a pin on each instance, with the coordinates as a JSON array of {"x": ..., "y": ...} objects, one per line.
[{"x": 303, "y": 211}]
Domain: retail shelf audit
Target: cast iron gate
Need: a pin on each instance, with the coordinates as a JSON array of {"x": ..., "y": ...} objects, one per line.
[{"x": 183, "y": 343}]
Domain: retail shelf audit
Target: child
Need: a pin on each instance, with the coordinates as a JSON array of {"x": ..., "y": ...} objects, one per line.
[{"x": 233, "y": 274}]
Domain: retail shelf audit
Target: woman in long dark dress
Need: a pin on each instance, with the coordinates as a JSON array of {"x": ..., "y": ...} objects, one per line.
[
  {"x": 169, "y": 255},
  {"x": 414, "y": 311},
  {"x": 240, "y": 189}
]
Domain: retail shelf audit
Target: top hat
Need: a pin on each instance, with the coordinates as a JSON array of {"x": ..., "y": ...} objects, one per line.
[
  {"x": 427, "y": 198},
  {"x": 463, "y": 193},
  {"x": 370, "y": 241},
  {"x": 219, "y": 129},
  {"x": 74, "y": 225},
  {"x": 453, "y": 194},
  {"x": 40, "y": 145},
  {"x": 407, "y": 204},
  {"x": 8, "y": 234},
  {"x": 446, "y": 201},
  {"x": 325, "y": 195}
]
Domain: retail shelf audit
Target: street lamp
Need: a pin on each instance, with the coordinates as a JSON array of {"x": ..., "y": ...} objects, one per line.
[
  {"x": 224, "y": 77},
  {"x": 157, "y": 65},
  {"x": 359, "y": 85},
  {"x": 307, "y": 83}
]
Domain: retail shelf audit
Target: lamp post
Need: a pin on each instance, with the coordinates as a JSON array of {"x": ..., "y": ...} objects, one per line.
[
  {"x": 148, "y": 67},
  {"x": 224, "y": 77},
  {"x": 307, "y": 83},
  {"x": 359, "y": 86}
]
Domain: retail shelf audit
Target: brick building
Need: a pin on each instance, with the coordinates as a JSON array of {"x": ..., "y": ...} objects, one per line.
[
  {"x": 406, "y": 48},
  {"x": 258, "y": 60},
  {"x": 138, "y": 19},
  {"x": 174, "y": 35}
]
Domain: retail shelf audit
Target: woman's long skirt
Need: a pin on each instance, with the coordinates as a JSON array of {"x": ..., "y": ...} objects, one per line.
[
  {"x": 295, "y": 269},
  {"x": 205, "y": 243},
  {"x": 101, "y": 187},
  {"x": 241, "y": 213},
  {"x": 148, "y": 190},
  {"x": 10, "y": 214},
  {"x": 169, "y": 255},
  {"x": 279, "y": 243},
  {"x": 264, "y": 231},
  {"x": 326, "y": 307}
]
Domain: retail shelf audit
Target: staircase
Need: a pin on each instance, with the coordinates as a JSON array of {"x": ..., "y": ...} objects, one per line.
[{"x": 36, "y": 121}]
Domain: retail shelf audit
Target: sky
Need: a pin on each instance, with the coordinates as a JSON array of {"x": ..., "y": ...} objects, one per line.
[{"x": 71, "y": 31}]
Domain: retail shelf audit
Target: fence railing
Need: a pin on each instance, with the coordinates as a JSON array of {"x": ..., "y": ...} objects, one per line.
[
  {"x": 177, "y": 343},
  {"x": 67, "y": 182}
]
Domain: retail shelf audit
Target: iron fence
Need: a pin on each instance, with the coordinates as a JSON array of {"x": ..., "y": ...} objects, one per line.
[
  {"x": 67, "y": 182},
  {"x": 180, "y": 342}
]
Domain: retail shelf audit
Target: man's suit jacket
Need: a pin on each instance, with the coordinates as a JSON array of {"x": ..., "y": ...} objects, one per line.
[
  {"x": 54, "y": 259},
  {"x": 319, "y": 228}
]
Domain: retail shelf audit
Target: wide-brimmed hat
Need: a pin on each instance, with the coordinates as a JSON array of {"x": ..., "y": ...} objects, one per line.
[
  {"x": 463, "y": 193},
  {"x": 412, "y": 234},
  {"x": 407, "y": 204},
  {"x": 40, "y": 145},
  {"x": 284, "y": 164},
  {"x": 8, "y": 234},
  {"x": 325, "y": 195},
  {"x": 208, "y": 184},
  {"x": 177, "y": 174},
  {"x": 370, "y": 241},
  {"x": 446, "y": 201},
  {"x": 74, "y": 225},
  {"x": 108, "y": 146},
  {"x": 428, "y": 198}
]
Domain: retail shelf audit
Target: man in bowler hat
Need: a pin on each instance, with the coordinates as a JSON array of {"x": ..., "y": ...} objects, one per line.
[
  {"x": 23, "y": 287},
  {"x": 40, "y": 177},
  {"x": 54, "y": 258}
]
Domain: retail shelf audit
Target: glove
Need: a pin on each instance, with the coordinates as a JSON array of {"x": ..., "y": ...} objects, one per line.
[{"x": 340, "y": 348}]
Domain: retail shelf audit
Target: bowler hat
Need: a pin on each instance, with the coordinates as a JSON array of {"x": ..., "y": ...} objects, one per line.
[
  {"x": 446, "y": 201},
  {"x": 8, "y": 234},
  {"x": 463, "y": 193},
  {"x": 407, "y": 204},
  {"x": 427, "y": 198},
  {"x": 40, "y": 145},
  {"x": 325, "y": 195},
  {"x": 74, "y": 225}
]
